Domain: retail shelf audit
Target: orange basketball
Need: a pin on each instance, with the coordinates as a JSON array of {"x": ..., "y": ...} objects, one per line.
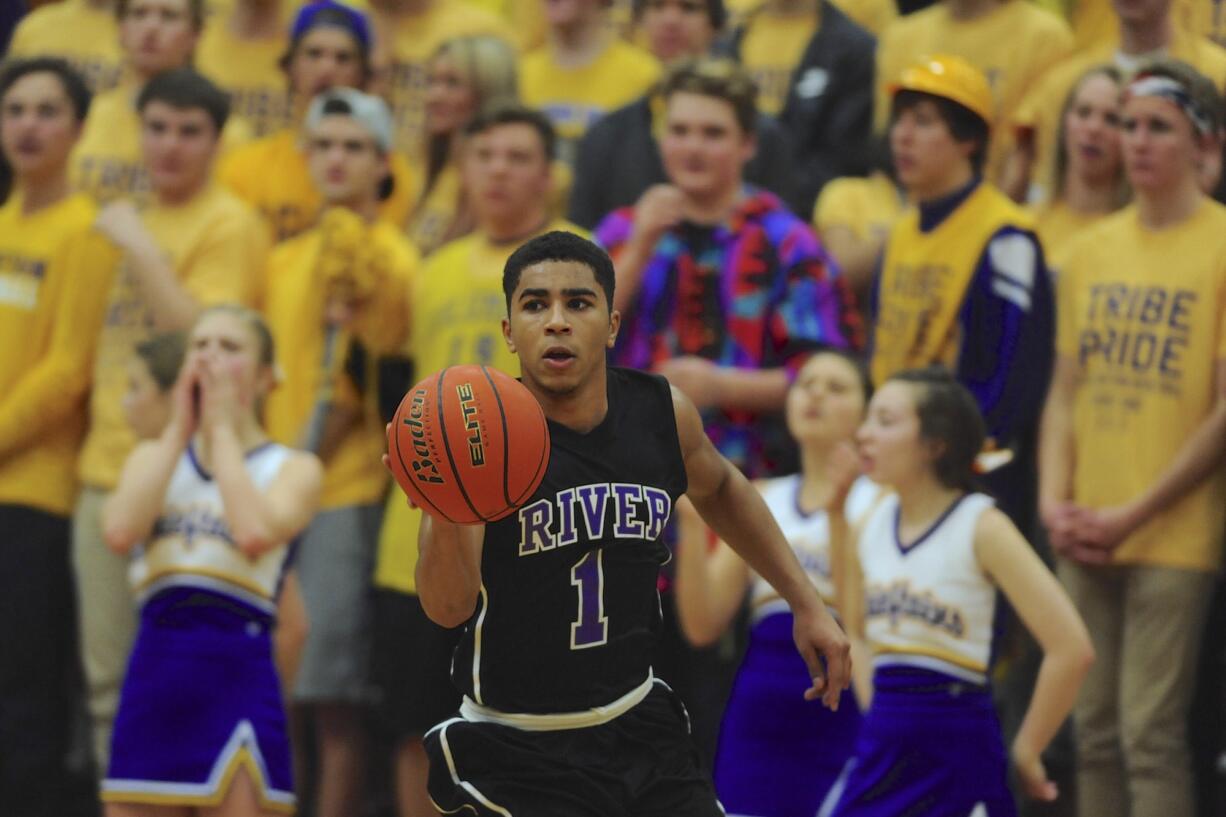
[{"x": 469, "y": 443}]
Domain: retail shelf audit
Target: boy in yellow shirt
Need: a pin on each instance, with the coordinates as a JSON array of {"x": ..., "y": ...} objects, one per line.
[
  {"x": 337, "y": 300},
  {"x": 410, "y": 32},
  {"x": 457, "y": 305},
  {"x": 1012, "y": 41},
  {"x": 582, "y": 71},
  {"x": 962, "y": 281},
  {"x": 49, "y": 316},
  {"x": 195, "y": 244},
  {"x": 55, "y": 30},
  {"x": 241, "y": 50},
  {"x": 155, "y": 36},
  {"x": 1132, "y": 493},
  {"x": 329, "y": 48}
]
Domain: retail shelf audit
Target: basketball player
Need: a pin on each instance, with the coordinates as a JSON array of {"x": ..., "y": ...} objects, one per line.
[
  {"x": 561, "y": 714},
  {"x": 201, "y": 718}
]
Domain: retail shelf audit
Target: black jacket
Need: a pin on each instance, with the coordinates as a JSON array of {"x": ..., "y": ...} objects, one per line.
[
  {"x": 829, "y": 109},
  {"x": 618, "y": 159}
]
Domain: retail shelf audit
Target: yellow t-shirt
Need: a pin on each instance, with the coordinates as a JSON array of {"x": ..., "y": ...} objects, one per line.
[
  {"x": 1147, "y": 335},
  {"x": 1095, "y": 24},
  {"x": 1058, "y": 226},
  {"x": 574, "y": 98},
  {"x": 353, "y": 474},
  {"x": 51, "y": 310},
  {"x": 272, "y": 175},
  {"x": 217, "y": 246},
  {"x": 1039, "y": 111},
  {"x": 458, "y": 307},
  {"x": 248, "y": 71},
  {"x": 770, "y": 51},
  {"x": 873, "y": 15},
  {"x": 85, "y": 35},
  {"x": 1013, "y": 44},
  {"x": 413, "y": 39},
  {"x": 107, "y": 163},
  {"x": 866, "y": 206}
]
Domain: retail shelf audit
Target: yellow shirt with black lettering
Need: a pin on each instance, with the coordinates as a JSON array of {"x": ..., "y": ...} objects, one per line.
[
  {"x": 770, "y": 51},
  {"x": 272, "y": 175},
  {"x": 574, "y": 98},
  {"x": 1014, "y": 44},
  {"x": 85, "y": 35},
  {"x": 294, "y": 306},
  {"x": 1147, "y": 336},
  {"x": 924, "y": 277},
  {"x": 1039, "y": 111},
  {"x": 866, "y": 206},
  {"x": 51, "y": 309},
  {"x": 107, "y": 162},
  {"x": 458, "y": 307},
  {"x": 414, "y": 38},
  {"x": 249, "y": 72},
  {"x": 217, "y": 246}
]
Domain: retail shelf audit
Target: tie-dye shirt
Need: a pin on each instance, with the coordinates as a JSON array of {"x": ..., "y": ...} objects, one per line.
[{"x": 756, "y": 293}]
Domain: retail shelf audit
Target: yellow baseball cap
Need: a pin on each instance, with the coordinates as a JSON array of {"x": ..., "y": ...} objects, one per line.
[{"x": 951, "y": 78}]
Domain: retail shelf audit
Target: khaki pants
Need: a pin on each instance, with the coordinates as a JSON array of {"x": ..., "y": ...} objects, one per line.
[
  {"x": 1131, "y": 718},
  {"x": 107, "y": 618}
]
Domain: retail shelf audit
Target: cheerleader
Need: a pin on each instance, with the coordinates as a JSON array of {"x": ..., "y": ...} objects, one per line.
[
  {"x": 778, "y": 754},
  {"x": 201, "y": 718},
  {"x": 920, "y": 586}
]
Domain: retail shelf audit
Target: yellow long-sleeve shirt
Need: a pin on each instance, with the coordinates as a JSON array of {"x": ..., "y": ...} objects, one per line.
[{"x": 51, "y": 309}]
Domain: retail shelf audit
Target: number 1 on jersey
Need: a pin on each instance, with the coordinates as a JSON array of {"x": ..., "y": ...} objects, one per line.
[{"x": 591, "y": 627}]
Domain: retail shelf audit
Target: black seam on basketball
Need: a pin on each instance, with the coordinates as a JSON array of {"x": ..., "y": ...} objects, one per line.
[
  {"x": 409, "y": 471},
  {"x": 442, "y": 431},
  {"x": 506, "y": 443},
  {"x": 541, "y": 465}
]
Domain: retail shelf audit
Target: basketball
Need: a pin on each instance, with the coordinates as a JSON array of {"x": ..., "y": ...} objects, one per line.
[{"x": 469, "y": 444}]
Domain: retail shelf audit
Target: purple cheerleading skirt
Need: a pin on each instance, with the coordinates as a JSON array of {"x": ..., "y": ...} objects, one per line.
[
  {"x": 778, "y": 754},
  {"x": 201, "y": 700},
  {"x": 930, "y": 746}
]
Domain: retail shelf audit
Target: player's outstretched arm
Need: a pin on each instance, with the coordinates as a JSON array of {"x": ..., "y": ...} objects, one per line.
[
  {"x": 1050, "y": 617},
  {"x": 448, "y": 569},
  {"x": 737, "y": 513}
]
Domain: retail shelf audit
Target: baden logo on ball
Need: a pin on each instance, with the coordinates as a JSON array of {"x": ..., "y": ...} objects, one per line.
[{"x": 469, "y": 444}]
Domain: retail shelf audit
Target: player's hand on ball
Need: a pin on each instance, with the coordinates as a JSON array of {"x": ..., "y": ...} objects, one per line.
[
  {"x": 1032, "y": 775},
  {"x": 818, "y": 636}
]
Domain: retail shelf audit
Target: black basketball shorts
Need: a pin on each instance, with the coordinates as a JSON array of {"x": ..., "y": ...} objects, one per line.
[{"x": 640, "y": 764}]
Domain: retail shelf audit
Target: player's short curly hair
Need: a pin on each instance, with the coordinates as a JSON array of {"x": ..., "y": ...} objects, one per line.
[{"x": 559, "y": 246}]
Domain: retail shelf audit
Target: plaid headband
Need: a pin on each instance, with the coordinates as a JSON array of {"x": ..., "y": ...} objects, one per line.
[{"x": 1173, "y": 91}]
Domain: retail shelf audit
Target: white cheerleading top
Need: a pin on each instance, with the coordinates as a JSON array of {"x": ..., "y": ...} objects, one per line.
[
  {"x": 191, "y": 545},
  {"x": 809, "y": 536},
  {"x": 931, "y": 605}
]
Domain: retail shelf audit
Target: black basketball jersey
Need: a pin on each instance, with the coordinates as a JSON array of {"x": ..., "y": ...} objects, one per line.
[{"x": 569, "y": 612}]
